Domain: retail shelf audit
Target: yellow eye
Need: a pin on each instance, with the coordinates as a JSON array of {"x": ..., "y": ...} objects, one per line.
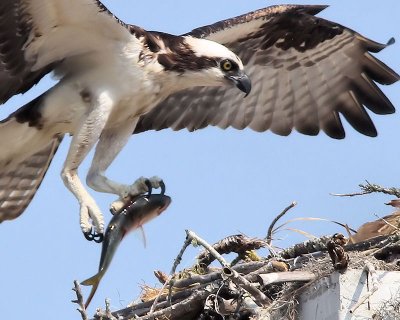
[{"x": 226, "y": 65}]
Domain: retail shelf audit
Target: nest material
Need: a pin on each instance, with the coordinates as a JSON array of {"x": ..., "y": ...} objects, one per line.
[{"x": 265, "y": 289}]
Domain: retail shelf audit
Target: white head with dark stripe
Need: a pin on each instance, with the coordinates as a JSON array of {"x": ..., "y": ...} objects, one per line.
[
  {"x": 196, "y": 62},
  {"x": 224, "y": 67}
]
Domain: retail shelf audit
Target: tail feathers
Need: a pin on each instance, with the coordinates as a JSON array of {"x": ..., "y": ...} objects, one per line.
[{"x": 19, "y": 184}]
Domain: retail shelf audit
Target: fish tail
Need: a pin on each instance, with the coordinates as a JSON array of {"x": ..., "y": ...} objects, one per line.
[
  {"x": 91, "y": 295},
  {"x": 94, "y": 282}
]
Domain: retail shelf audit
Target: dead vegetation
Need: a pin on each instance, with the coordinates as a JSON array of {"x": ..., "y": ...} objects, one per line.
[{"x": 253, "y": 287}]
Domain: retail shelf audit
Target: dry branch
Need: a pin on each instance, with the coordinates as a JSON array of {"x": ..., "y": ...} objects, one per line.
[
  {"x": 266, "y": 279},
  {"x": 239, "y": 244},
  {"x": 79, "y": 300},
  {"x": 260, "y": 298},
  {"x": 370, "y": 188},
  {"x": 268, "y": 237},
  {"x": 243, "y": 288}
]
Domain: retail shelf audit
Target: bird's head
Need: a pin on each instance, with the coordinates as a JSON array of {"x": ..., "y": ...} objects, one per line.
[{"x": 201, "y": 62}]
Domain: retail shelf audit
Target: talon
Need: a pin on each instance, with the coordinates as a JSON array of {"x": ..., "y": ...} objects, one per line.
[
  {"x": 98, "y": 237},
  {"x": 89, "y": 235},
  {"x": 149, "y": 187},
  {"x": 93, "y": 236},
  {"x": 162, "y": 186}
]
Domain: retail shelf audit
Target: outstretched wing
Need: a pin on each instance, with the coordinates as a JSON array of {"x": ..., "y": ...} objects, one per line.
[
  {"x": 19, "y": 185},
  {"x": 37, "y": 34},
  {"x": 305, "y": 72}
]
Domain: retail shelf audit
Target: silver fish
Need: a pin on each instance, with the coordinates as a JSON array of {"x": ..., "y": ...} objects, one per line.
[{"x": 142, "y": 210}]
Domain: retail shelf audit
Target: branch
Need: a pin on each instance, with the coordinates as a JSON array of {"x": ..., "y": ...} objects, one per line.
[
  {"x": 370, "y": 188},
  {"x": 268, "y": 238},
  {"x": 260, "y": 298},
  {"x": 289, "y": 276},
  {"x": 195, "y": 238},
  {"x": 79, "y": 300},
  {"x": 317, "y": 245},
  {"x": 239, "y": 244},
  {"x": 179, "y": 309},
  {"x": 169, "y": 280}
]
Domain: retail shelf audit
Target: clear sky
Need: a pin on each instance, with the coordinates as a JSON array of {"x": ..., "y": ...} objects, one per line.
[{"x": 221, "y": 182}]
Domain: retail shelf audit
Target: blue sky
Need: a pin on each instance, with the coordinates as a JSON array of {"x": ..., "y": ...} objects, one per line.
[{"x": 221, "y": 182}]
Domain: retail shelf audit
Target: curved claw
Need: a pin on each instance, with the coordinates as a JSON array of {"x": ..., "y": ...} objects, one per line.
[
  {"x": 98, "y": 237},
  {"x": 93, "y": 236},
  {"x": 149, "y": 187},
  {"x": 162, "y": 186}
]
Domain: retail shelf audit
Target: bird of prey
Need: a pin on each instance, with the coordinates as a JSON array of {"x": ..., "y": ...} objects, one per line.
[{"x": 116, "y": 79}]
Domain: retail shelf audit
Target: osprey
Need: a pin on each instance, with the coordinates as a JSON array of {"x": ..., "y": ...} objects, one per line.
[{"x": 116, "y": 79}]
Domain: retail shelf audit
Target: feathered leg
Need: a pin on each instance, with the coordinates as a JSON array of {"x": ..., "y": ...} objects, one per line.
[
  {"x": 83, "y": 141},
  {"x": 110, "y": 144}
]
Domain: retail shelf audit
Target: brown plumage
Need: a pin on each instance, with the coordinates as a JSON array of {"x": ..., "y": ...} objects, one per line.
[
  {"x": 289, "y": 54},
  {"x": 340, "y": 259}
]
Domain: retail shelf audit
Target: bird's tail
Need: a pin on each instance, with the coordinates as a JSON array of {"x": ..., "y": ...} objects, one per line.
[{"x": 26, "y": 153}]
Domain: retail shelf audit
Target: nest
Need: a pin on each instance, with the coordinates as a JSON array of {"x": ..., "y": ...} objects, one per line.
[{"x": 252, "y": 287}]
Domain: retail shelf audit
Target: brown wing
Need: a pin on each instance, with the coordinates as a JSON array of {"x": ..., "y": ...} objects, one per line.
[
  {"x": 15, "y": 73},
  {"x": 19, "y": 185},
  {"x": 33, "y": 36},
  {"x": 305, "y": 71}
]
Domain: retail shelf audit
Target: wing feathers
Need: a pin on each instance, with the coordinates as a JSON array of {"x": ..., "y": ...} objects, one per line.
[
  {"x": 305, "y": 72},
  {"x": 378, "y": 71},
  {"x": 356, "y": 115},
  {"x": 371, "y": 96},
  {"x": 34, "y": 33},
  {"x": 19, "y": 185}
]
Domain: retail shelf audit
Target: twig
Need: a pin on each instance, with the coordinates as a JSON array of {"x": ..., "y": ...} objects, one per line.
[
  {"x": 239, "y": 244},
  {"x": 387, "y": 222},
  {"x": 194, "y": 237},
  {"x": 370, "y": 188},
  {"x": 370, "y": 269},
  {"x": 161, "y": 276},
  {"x": 268, "y": 238},
  {"x": 179, "y": 309},
  {"x": 386, "y": 250},
  {"x": 316, "y": 245},
  {"x": 108, "y": 311},
  {"x": 169, "y": 280},
  {"x": 373, "y": 243},
  {"x": 79, "y": 300},
  {"x": 228, "y": 272},
  {"x": 308, "y": 246},
  {"x": 260, "y": 298},
  {"x": 197, "y": 279},
  {"x": 105, "y": 315}
]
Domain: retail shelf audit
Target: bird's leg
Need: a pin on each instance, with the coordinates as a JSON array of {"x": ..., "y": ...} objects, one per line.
[
  {"x": 83, "y": 141},
  {"x": 111, "y": 142}
]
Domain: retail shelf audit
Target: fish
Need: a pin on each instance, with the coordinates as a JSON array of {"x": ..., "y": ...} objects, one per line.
[{"x": 140, "y": 211}]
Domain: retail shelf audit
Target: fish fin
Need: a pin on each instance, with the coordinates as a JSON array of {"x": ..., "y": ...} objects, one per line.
[{"x": 143, "y": 236}]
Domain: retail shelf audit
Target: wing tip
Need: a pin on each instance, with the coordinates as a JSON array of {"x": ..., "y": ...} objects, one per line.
[
  {"x": 314, "y": 9},
  {"x": 374, "y": 46}
]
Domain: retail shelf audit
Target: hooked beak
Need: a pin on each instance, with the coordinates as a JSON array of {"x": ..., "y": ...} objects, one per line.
[{"x": 242, "y": 82}]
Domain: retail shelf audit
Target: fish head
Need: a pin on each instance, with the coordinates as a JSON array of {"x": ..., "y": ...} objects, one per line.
[{"x": 146, "y": 208}]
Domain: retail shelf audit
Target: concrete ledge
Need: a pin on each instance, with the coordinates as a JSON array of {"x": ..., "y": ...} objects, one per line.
[{"x": 331, "y": 298}]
